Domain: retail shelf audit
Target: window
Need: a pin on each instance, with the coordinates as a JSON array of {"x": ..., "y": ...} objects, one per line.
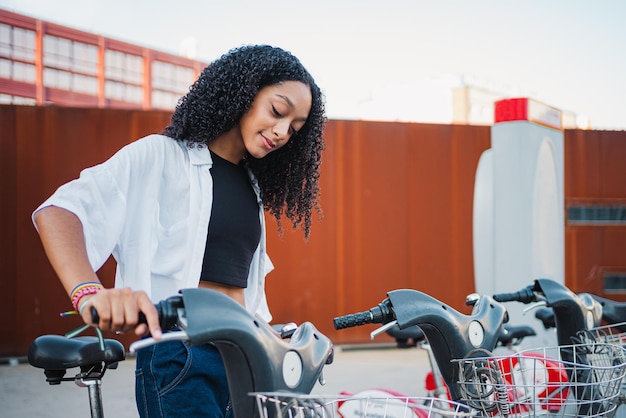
[
  {"x": 124, "y": 76},
  {"x": 17, "y": 100},
  {"x": 596, "y": 214},
  {"x": 169, "y": 83},
  {"x": 6, "y": 68},
  {"x": 85, "y": 58},
  {"x": 124, "y": 92},
  {"x": 17, "y": 49},
  {"x": 17, "y": 43},
  {"x": 70, "y": 65},
  {"x": 171, "y": 77},
  {"x": 56, "y": 52},
  {"x": 6, "y": 41},
  {"x": 164, "y": 100},
  {"x": 120, "y": 66},
  {"x": 23, "y": 72},
  {"x": 615, "y": 282},
  {"x": 23, "y": 44}
]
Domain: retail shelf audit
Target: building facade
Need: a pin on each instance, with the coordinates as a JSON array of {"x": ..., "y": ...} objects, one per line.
[{"x": 44, "y": 63}]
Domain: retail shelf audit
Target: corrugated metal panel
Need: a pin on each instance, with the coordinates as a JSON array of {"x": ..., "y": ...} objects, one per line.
[
  {"x": 398, "y": 210},
  {"x": 43, "y": 147},
  {"x": 595, "y": 175},
  {"x": 397, "y": 201}
]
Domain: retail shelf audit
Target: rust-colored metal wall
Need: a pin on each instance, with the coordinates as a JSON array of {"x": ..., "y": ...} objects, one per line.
[
  {"x": 40, "y": 149},
  {"x": 595, "y": 174},
  {"x": 397, "y": 201}
]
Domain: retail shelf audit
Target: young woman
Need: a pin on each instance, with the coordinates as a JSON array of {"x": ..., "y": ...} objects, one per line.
[{"x": 186, "y": 208}]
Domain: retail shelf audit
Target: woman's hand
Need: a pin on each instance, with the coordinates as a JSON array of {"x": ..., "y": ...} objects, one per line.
[{"x": 118, "y": 311}]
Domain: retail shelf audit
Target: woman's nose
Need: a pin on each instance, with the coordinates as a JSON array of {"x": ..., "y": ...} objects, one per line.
[{"x": 281, "y": 129}]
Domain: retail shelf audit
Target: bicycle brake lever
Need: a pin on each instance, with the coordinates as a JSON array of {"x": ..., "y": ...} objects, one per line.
[
  {"x": 382, "y": 329},
  {"x": 287, "y": 330},
  {"x": 168, "y": 336},
  {"x": 321, "y": 379},
  {"x": 534, "y": 306}
]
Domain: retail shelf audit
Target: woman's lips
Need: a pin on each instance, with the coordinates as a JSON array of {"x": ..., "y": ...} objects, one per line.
[{"x": 268, "y": 144}]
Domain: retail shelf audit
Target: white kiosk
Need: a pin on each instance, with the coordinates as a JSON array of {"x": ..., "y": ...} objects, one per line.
[{"x": 519, "y": 205}]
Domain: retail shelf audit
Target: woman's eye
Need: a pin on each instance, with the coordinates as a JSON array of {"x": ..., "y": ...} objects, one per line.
[{"x": 276, "y": 112}]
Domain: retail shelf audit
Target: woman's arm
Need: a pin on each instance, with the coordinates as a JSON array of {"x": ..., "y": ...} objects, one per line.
[{"x": 61, "y": 234}]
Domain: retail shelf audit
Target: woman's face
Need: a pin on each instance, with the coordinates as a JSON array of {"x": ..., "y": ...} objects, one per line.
[{"x": 277, "y": 112}]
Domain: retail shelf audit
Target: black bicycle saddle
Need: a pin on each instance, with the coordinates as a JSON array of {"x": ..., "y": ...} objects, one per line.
[{"x": 57, "y": 352}]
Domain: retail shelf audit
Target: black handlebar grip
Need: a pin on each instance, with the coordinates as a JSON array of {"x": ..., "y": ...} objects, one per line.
[
  {"x": 353, "y": 320},
  {"x": 526, "y": 295},
  {"x": 95, "y": 318},
  {"x": 167, "y": 310},
  {"x": 380, "y": 314},
  {"x": 505, "y": 297}
]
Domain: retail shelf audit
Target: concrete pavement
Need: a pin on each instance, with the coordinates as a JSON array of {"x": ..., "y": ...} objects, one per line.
[{"x": 25, "y": 393}]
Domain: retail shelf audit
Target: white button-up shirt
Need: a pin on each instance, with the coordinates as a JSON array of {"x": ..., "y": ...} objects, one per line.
[{"x": 149, "y": 206}]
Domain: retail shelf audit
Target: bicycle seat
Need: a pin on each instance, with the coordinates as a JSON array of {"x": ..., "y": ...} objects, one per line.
[
  {"x": 613, "y": 312},
  {"x": 402, "y": 336},
  {"x": 514, "y": 334},
  {"x": 546, "y": 316},
  {"x": 57, "y": 352}
]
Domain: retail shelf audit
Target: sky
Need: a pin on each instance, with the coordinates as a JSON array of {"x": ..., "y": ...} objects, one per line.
[{"x": 570, "y": 54}]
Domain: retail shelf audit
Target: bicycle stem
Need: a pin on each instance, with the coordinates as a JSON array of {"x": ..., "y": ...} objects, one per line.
[{"x": 451, "y": 334}]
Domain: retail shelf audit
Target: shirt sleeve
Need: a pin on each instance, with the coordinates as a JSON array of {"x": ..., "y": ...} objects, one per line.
[{"x": 99, "y": 202}]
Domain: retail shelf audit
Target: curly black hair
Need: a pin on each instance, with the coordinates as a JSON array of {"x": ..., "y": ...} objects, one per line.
[{"x": 224, "y": 91}]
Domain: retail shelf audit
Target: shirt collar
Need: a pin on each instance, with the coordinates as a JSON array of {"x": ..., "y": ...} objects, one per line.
[{"x": 200, "y": 155}]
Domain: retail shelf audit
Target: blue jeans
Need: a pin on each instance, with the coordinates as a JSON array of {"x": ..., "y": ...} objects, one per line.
[{"x": 174, "y": 379}]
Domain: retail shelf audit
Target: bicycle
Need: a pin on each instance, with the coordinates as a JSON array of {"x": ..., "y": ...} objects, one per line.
[
  {"x": 462, "y": 347},
  {"x": 255, "y": 358},
  {"x": 576, "y": 317},
  {"x": 613, "y": 332},
  {"x": 450, "y": 333},
  {"x": 509, "y": 338}
]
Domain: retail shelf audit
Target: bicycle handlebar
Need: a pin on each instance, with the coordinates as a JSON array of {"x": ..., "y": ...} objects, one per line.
[
  {"x": 380, "y": 314},
  {"x": 526, "y": 295},
  {"x": 167, "y": 309}
]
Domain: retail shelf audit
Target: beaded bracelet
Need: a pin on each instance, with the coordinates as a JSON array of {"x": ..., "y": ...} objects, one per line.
[
  {"x": 81, "y": 306},
  {"x": 84, "y": 289},
  {"x": 82, "y": 285}
]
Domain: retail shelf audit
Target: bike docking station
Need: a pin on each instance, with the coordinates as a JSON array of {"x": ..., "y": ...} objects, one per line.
[{"x": 518, "y": 220}]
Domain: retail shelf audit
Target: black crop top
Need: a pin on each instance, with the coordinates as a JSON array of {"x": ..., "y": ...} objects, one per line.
[{"x": 234, "y": 227}]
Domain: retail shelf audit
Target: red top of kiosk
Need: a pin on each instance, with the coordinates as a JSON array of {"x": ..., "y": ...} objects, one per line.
[{"x": 517, "y": 109}]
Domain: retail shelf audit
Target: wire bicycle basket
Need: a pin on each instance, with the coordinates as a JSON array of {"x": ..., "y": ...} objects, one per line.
[
  {"x": 373, "y": 405},
  {"x": 609, "y": 334},
  {"x": 565, "y": 381}
]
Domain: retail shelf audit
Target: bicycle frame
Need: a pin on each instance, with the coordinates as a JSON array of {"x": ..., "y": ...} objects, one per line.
[{"x": 256, "y": 359}]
